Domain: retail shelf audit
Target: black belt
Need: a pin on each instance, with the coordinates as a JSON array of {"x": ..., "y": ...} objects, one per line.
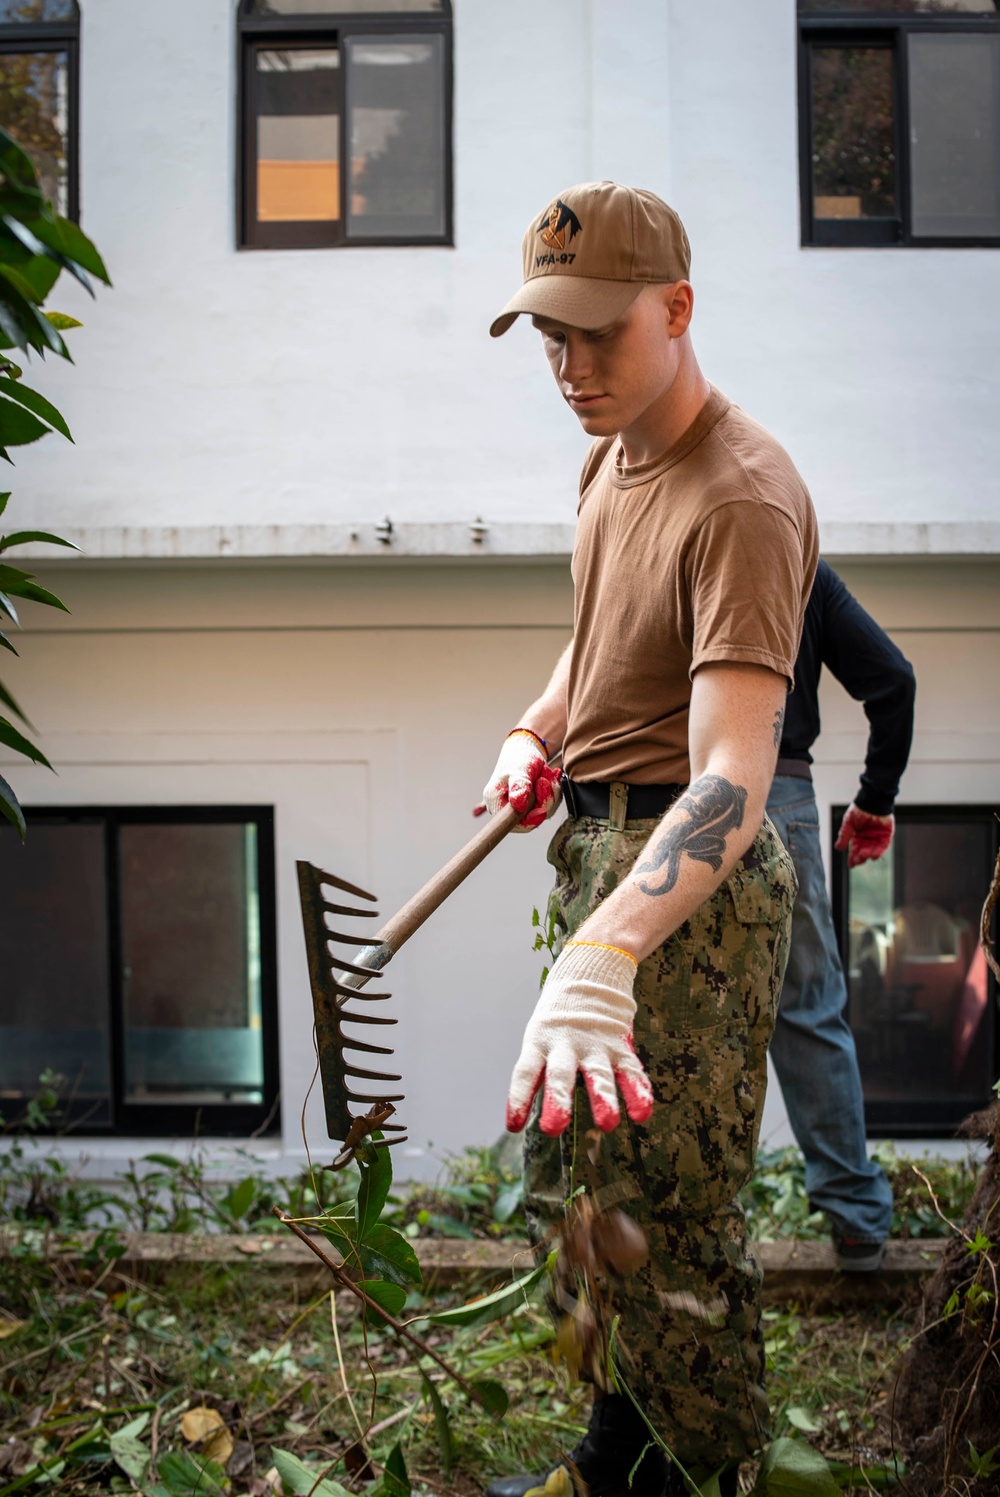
[
  {"x": 595, "y": 800},
  {"x": 796, "y": 769}
]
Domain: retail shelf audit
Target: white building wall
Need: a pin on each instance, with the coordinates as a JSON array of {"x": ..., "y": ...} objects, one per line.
[
  {"x": 217, "y": 387},
  {"x": 366, "y": 704}
]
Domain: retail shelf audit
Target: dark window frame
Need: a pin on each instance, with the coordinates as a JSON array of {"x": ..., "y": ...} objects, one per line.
[
  {"x": 178, "y": 1119},
  {"x": 56, "y": 36},
  {"x": 843, "y": 29},
  {"x": 255, "y": 33},
  {"x": 928, "y": 1119}
]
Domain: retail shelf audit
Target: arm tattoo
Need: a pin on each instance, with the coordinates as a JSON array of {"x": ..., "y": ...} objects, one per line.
[
  {"x": 715, "y": 808},
  {"x": 779, "y": 723}
]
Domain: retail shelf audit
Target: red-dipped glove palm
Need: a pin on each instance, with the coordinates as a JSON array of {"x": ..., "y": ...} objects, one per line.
[
  {"x": 582, "y": 1022},
  {"x": 864, "y": 837},
  {"x": 523, "y": 778}
]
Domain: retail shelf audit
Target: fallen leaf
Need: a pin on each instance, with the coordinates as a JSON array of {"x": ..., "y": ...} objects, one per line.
[
  {"x": 197, "y": 1423},
  {"x": 218, "y": 1446},
  {"x": 10, "y": 1327}
]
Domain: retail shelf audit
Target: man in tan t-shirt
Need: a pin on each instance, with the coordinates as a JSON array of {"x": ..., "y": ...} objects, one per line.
[{"x": 695, "y": 553}]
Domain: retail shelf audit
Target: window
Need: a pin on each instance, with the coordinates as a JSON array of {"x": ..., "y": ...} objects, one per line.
[
  {"x": 345, "y": 123},
  {"x": 899, "y": 122},
  {"x": 922, "y": 1001},
  {"x": 39, "y": 87},
  {"x": 137, "y": 952}
]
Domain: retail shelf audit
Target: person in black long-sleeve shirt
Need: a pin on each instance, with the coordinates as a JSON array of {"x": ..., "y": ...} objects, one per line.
[{"x": 813, "y": 1047}]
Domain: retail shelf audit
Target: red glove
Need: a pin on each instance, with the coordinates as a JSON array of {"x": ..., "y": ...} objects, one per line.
[
  {"x": 863, "y": 836},
  {"x": 523, "y": 778}
]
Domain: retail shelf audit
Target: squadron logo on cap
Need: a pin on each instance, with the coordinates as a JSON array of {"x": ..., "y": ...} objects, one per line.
[{"x": 559, "y": 226}]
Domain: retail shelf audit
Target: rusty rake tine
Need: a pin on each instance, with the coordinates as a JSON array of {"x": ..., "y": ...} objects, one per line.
[
  {"x": 364, "y": 1075},
  {"x": 346, "y": 993},
  {"x": 367, "y": 1097},
  {"x": 337, "y": 964},
  {"x": 346, "y": 909},
  {"x": 360, "y": 1045},
  {"x": 348, "y": 940},
  {"x": 346, "y": 1018},
  {"x": 339, "y": 883}
]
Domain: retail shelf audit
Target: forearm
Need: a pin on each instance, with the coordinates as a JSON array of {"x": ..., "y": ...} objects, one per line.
[
  {"x": 890, "y": 721},
  {"x": 692, "y": 851},
  {"x": 547, "y": 714},
  {"x": 736, "y": 719}
]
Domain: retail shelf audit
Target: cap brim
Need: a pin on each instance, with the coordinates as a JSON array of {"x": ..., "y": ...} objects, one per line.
[{"x": 579, "y": 301}]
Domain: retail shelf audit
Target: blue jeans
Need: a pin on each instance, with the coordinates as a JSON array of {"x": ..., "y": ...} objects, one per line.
[{"x": 813, "y": 1047}]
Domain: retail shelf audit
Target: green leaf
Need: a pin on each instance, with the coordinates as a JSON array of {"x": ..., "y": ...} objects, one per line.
[
  {"x": 242, "y": 1197},
  {"x": 493, "y": 1394},
  {"x": 8, "y": 608},
  {"x": 5, "y": 642},
  {"x": 9, "y": 701},
  {"x": 25, "y": 537},
  {"x": 167, "y": 1160},
  {"x": 442, "y": 1427},
  {"x": 35, "y": 593},
  {"x": 40, "y": 272},
  {"x": 297, "y": 1478},
  {"x": 492, "y": 1306},
  {"x": 387, "y": 1254},
  {"x": 872, "y": 1478},
  {"x": 128, "y": 1450},
  {"x": 18, "y": 168},
  {"x": 391, "y": 1297},
  {"x": 21, "y": 745},
  {"x": 21, "y": 320},
  {"x": 395, "y": 1482},
  {"x": 18, "y": 427},
  {"x": 10, "y": 806},
  {"x": 62, "y": 321},
  {"x": 801, "y": 1419},
  {"x": 4, "y": 500},
  {"x": 12, "y": 389},
  {"x": 184, "y": 1476},
  {"x": 376, "y": 1178},
  {"x": 791, "y": 1468},
  {"x": 69, "y": 240}
]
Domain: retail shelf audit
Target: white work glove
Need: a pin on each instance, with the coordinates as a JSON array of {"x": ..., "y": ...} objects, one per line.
[
  {"x": 582, "y": 1022},
  {"x": 523, "y": 778}
]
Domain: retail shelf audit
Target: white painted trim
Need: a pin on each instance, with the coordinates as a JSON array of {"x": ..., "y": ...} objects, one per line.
[{"x": 475, "y": 539}]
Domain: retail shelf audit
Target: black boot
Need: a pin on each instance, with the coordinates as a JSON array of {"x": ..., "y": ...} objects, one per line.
[{"x": 605, "y": 1457}]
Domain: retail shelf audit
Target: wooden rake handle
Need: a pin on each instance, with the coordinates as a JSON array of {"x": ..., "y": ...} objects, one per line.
[{"x": 436, "y": 890}]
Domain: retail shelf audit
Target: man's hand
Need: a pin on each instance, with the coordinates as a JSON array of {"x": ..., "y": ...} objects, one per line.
[
  {"x": 582, "y": 1022},
  {"x": 523, "y": 778},
  {"x": 863, "y": 836}
]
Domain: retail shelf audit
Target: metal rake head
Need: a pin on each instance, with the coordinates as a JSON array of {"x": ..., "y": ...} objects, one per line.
[{"x": 334, "y": 981}]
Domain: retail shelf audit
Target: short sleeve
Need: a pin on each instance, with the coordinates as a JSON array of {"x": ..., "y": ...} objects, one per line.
[{"x": 747, "y": 586}]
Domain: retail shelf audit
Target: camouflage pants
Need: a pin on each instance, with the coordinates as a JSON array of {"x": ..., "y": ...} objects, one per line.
[{"x": 690, "y": 1319}]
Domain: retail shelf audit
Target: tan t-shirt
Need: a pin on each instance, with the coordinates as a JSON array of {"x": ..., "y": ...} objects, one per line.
[{"x": 706, "y": 554}]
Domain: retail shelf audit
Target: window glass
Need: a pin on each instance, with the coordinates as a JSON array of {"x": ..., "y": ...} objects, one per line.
[
  {"x": 339, "y": 7},
  {"x": 919, "y": 990},
  {"x": 53, "y": 957},
  {"x": 191, "y": 963},
  {"x": 954, "y": 85},
  {"x": 853, "y": 144},
  {"x": 896, "y": 7},
  {"x": 298, "y": 135},
  {"x": 12, "y": 11},
  {"x": 396, "y": 130},
  {"x": 34, "y": 95}
]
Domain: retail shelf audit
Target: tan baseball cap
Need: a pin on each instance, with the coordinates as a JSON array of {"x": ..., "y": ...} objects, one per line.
[{"x": 587, "y": 257}]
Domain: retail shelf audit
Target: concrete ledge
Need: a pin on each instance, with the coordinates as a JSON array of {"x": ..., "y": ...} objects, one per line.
[
  {"x": 801, "y": 1271},
  {"x": 471, "y": 540}
]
